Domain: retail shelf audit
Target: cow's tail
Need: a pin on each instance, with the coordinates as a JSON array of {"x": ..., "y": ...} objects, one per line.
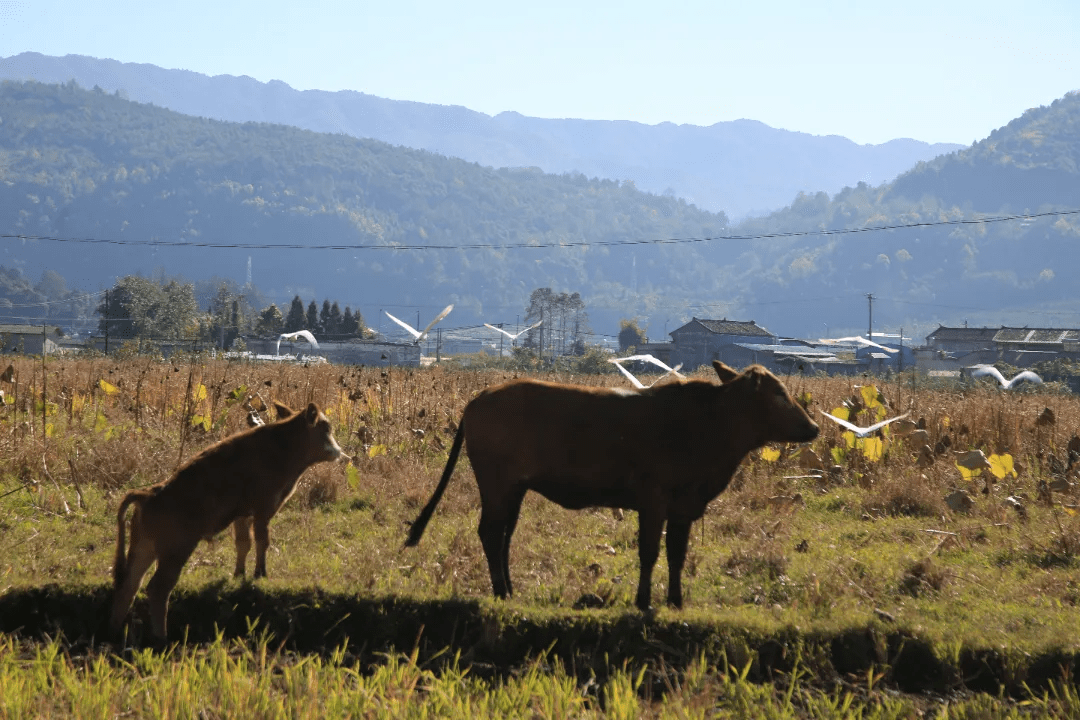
[
  {"x": 120, "y": 561},
  {"x": 422, "y": 519}
]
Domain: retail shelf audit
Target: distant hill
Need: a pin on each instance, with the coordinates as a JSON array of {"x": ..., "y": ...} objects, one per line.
[
  {"x": 1017, "y": 272},
  {"x": 741, "y": 167},
  {"x": 85, "y": 164}
]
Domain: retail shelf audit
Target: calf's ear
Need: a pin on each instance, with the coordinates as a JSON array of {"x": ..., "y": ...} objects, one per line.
[
  {"x": 725, "y": 373},
  {"x": 283, "y": 411},
  {"x": 312, "y": 413}
]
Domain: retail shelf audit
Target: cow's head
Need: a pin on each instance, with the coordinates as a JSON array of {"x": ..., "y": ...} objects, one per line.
[{"x": 780, "y": 418}]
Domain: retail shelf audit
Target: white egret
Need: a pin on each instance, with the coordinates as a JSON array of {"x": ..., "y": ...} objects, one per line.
[
  {"x": 293, "y": 337},
  {"x": 650, "y": 359},
  {"x": 513, "y": 336},
  {"x": 419, "y": 335},
  {"x": 983, "y": 370},
  {"x": 862, "y": 431}
]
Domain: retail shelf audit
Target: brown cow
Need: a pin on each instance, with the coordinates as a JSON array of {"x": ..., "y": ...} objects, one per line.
[
  {"x": 665, "y": 451},
  {"x": 242, "y": 480}
]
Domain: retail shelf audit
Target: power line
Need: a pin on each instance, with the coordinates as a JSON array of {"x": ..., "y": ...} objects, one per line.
[{"x": 537, "y": 246}]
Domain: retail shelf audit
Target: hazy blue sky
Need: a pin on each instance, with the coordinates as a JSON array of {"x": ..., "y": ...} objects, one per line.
[{"x": 934, "y": 71}]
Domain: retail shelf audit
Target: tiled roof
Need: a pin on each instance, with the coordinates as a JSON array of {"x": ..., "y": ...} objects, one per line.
[
  {"x": 963, "y": 334},
  {"x": 28, "y": 329},
  {"x": 1035, "y": 335},
  {"x": 731, "y": 327}
]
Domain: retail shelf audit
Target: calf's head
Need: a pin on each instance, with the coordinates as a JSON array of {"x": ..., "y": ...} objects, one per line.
[
  {"x": 316, "y": 436},
  {"x": 769, "y": 406}
]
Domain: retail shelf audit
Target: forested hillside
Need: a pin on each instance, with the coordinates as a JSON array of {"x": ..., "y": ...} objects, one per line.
[
  {"x": 1019, "y": 272},
  {"x": 81, "y": 164},
  {"x": 84, "y": 164}
]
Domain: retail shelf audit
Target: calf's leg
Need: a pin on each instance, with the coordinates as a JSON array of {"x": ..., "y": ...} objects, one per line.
[
  {"x": 139, "y": 558},
  {"x": 242, "y": 535},
  {"x": 161, "y": 586},
  {"x": 678, "y": 536},
  {"x": 262, "y": 543}
]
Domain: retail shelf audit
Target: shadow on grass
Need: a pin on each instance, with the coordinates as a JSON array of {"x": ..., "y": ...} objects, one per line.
[{"x": 495, "y": 638}]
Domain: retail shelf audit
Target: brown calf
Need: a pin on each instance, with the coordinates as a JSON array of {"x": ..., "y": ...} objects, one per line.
[
  {"x": 665, "y": 451},
  {"x": 242, "y": 480}
]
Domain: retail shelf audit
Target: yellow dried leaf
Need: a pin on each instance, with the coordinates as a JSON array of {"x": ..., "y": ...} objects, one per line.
[
  {"x": 376, "y": 450},
  {"x": 198, "y": 394},
  {"x": 968, "y": 474},
  {"x": 107, "y": 388},
  {"x": 841, "y": 412},
  {"x": 769, "y": 454},
  {"x": 1002, "y": 465},
  {"x": 872, "y": 448},
  {"x": 871, "y": 396}
]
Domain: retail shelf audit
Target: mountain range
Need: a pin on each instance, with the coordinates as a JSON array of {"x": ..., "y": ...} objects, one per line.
[{"x": 741, "y": 167}]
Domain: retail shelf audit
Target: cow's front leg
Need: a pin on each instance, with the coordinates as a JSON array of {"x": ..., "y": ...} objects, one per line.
[
  {"x": 678, "y": 537},
  {"x": 650, "y": 524}
]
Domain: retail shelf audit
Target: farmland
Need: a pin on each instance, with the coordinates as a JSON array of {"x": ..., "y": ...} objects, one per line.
[{"x": 857, "y": 588}]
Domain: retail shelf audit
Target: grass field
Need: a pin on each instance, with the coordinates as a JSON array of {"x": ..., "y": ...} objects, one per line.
[{"x": 852, "y": 590}]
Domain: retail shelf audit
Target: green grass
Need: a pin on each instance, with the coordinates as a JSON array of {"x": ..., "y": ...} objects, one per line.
[{"x": 866, "y": 586}]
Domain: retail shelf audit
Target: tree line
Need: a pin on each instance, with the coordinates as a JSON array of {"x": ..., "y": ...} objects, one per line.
[{"x": 137, "y": 307}]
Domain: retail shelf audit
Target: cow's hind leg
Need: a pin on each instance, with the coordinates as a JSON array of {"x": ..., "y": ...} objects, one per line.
[
  {"x": 678, "y": 537},
  {"x": 242, "y": 535},
  {"x": 139, "y": 559},
  {"x": 498, "y": 516},
  {"x": 514, "y": 511},
  {"x": 161, "y": 586},
  {"x": 650, "y": 524}
]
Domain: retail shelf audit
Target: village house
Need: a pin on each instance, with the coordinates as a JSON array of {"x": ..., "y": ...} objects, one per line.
[
  {"x": 699, "y": 341},
  {"x": 29, "y": 339}
]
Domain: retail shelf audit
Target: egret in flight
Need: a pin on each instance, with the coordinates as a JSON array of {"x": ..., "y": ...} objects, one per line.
[
  {"x": 419, "y": 335},
  {"x": 649, "y": 359},
  {"x": 984, "y": 370},
  {"x": 293, "y": 337},
  {"x": 862, "y": 431}
]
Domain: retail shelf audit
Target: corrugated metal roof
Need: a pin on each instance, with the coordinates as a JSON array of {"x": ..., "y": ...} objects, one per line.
[{"x": 807, "y": 352}]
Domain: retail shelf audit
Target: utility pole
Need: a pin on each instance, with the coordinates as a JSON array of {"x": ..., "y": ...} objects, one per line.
[
  {"x": 870, "y": 325},
  {"x": 901, "y": 358}
]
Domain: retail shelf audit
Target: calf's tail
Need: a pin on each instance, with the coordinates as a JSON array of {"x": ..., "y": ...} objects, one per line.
[
  {"x": 422, "y": 519},
  {"x": 120, "y": 561}
]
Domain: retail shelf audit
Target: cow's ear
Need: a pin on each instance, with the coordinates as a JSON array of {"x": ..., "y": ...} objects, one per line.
[
  {"x": 283, "y": 411},
  {"x": 312, "y": 413},
  {"x": 725, "y": 373}
]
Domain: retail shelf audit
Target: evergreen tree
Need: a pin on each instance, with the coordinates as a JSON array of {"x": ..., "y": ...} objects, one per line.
[
  {"x": 324, "y": 318},
  {"x": 313, "y": 318},
  {"x": 270, "y": 321},
  {"x": 333, "y": 321},
  {"x": 295, "y": 319}
]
